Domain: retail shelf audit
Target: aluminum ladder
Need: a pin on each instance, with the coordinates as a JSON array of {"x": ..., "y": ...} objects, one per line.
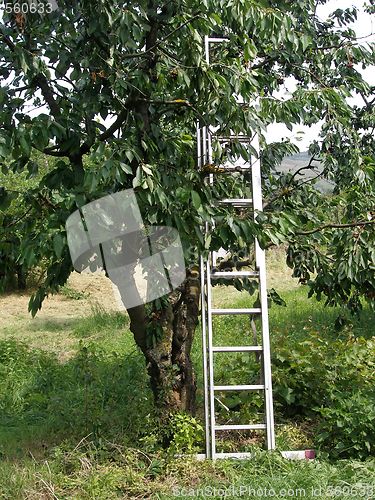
[{"x": 208, "y": 273}]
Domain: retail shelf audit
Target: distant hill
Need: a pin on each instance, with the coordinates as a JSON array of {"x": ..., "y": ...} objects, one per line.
[{"x": 294, "y": 162}]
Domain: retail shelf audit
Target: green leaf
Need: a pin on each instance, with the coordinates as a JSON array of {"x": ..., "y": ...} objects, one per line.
[
  {"x": 129, "y": 155},
  {"x": 25, "y": 144},
  {"x": 196, "y": 199},
  {"x": 58, "y": 245},
  {"x": 207, "y": 242},
  {"x": 125, "y": 168},
  {"x": 137, "y": 181},
  {"x": 147, "y": 169}
]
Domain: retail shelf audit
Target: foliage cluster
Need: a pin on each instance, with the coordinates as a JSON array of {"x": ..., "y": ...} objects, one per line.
[
  {"x": 14, "y": 269},
  {"x": 328, "y": 383},
  {"x": 332, "y": 381}
]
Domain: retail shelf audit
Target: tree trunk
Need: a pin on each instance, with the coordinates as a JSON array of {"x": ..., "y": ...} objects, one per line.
[
  {"x": 21, "y": 278},
  {"x": 165, "y": 338}
]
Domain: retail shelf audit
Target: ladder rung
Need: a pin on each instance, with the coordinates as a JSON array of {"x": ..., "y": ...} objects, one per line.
[
  {"x": 254, "y": 310},
  {"x": 217, "y": 40},
  {"x": 235, "y": 274},
  {"x": 242, "y": 348},
  {"x": 238, "y": 387},
  {"x": 234, "y": 427},
  {"x": 234, "y": 138},
  {"x": 245, "y": 454},
  {"x": 236, "y": 168},
  {"x": 237, "y": 202}
]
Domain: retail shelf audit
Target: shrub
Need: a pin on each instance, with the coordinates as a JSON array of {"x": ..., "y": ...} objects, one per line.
[
  {"x": 347, "y": 428},
  {"x": 332, "y": 381},
  {"x": 186, "y": 433}
]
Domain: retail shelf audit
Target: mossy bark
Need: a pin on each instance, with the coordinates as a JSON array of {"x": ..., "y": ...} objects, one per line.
[{"x": 168, "y": 360}]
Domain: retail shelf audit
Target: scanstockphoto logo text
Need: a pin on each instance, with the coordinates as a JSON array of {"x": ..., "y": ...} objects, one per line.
[
  {"x": 361, "y": 490},
  {"x": 29, "y": 6}
]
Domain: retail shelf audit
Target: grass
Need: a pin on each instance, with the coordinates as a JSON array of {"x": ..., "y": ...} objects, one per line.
[
  {"x": 70, "y": 293},
  {"x": 76, "y": 416},
  {"x": 118, "y": 472}
]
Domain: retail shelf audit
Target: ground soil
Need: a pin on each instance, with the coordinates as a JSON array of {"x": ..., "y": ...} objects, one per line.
[
  {"x": 96, "y": 289},
  {"x": 53, "y": 327}
]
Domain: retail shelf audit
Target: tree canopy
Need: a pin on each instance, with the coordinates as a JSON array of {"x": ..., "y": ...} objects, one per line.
[{"x": 110, "y": 93}]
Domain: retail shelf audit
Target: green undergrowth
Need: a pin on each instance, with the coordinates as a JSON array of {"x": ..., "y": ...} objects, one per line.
[
  {"x": 324, "y": 378},
  {"x": 112, "y": 471},
  {"x": 86, "y": 428}
]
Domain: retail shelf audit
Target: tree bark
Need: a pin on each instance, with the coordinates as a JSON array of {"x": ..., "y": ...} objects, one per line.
[
  {"x": 165, "y": 339},
  {"x": 21, "y": 278}
]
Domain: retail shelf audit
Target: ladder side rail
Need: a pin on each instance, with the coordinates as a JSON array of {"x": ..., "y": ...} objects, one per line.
[
  {"x": 208, "y": 159},
  {"x": 204, "y": 320},
  {"x": 210, "y": 361},
  {"x": 211, "y": 182},
  {"x": 204, "y": 358},
  {"x": 261, "y": 264},
  {"x": 207, "y": 41}
]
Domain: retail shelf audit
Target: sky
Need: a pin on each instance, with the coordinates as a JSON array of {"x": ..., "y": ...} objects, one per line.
[{"x": 364, "y": 27}]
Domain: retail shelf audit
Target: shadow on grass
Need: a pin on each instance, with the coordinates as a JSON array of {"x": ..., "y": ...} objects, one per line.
[
  {"x": 303, "y": 317},
  {"x": 98, "y": 321},
  {"x": 53, "y": 325},
  {"x": 44, "y": 402}
]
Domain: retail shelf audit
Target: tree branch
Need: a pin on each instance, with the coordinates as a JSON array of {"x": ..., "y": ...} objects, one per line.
[
  {"x": 8, "y": 42},
  {"x": 336, "y": 226},
  {"x": 115, "y": 125},
  {"x": 42, "y": 83},
  {"x": 162, "y": 40},
  {"x": 288, "y": 189},
  {"x": 85, "y": 148},
  {"x": 51, "y": 152},
  {"x": 267, "y": 60},
  {"x": 13, "y": 223},
  {"x": 306, "y": 167}
]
